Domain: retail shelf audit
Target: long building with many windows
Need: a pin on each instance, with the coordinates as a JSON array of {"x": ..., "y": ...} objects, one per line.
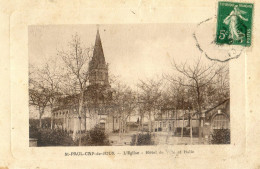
[{"x": 215, "y": 118}]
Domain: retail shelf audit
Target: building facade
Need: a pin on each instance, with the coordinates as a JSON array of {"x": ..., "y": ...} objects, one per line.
[
  {"x": 171, "y": 120},
  {"x": 98, "y": 108},
  {"x": 215, "y": 118}
]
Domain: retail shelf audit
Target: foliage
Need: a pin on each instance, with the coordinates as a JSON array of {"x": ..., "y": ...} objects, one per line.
[
  {"x": 76, "y": 59},
  {"x": 46, "y": 122},
  {"x": 142, "y": 139},
  {"x": 34, "y": 131},
  {"x": 116, "y": 131},
  {"x": 76, "y": 65},
  {"x": 55, "y": 138},
  {"x": 124, "y": 104},
  {"x": 221, "y": 136},
  {"x": 95, "y": 137},
  {"x": 149, "y": 98},
  {"x": 48, "y": 137},
  {"x": 186, "y": 131},
  {"x": 44, "y": 87},
  {"x": 39, "y": 97}
]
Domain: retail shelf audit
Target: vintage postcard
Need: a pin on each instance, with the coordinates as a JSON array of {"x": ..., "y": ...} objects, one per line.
[
  {"x": 132, "y": 85},
  {"x": 81, "y": 89}
]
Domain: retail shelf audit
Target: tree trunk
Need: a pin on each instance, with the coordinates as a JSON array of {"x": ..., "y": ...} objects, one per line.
[
  {"x": 136, "y": 137},
  {"x": 199, "y": 108},
  {"x": 81, "y": 101},
  {"x": 167, "y": 126},
  {"x": 182, "y": 125},
  {"x": 40, "y": 125},
  {"x": 175, "y": 126},
  {"x": 191, "y": 130},
  {"x": 200, "y": 131},
  {"x": 150, "y": 122},
  {"x": 40, "y": 117},
  {"x": 125, "y": 126},
  {"x": 51, "y": 117},
  {"x": 84, "y": 119},
  {"x": 128, "y": 127},
  {"x": 86, "y": 127},
  {"x": 113, "y": 124},
  {"x": 120, "y": 129},
  {"x": 142, "y": 124}
]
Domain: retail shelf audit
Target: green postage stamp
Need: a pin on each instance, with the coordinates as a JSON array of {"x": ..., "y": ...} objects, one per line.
[{"x": 234, "y": 23}]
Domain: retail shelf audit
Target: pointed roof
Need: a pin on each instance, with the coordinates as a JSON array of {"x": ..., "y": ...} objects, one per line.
[{"x": 98, "y": 54}]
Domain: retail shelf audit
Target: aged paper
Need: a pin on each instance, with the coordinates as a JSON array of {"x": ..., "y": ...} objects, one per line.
[{"x": 136, "y": 44}]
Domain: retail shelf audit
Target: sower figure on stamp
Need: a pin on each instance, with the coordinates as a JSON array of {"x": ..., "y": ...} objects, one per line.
[{"x": 233, "y": 20}]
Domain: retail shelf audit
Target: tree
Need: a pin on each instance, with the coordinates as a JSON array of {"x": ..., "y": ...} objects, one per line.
[
  {"x": 76, "y": 60},
  {"x": 49, "y": 77},
  {"x": 221, "y": 85},
  {"x": 149, "y": 97},
  {"x": 197, "y": 77},
  {"x": 39, "y": 93},
  {"x": 175, "y": 98},
  {"x": 39, "y": 96},
  {"x": 124, "y": 103},
  {"x": 128, "y": 105}
]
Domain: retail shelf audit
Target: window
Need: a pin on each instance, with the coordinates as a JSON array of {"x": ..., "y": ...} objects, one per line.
[
  {"x": 102, "y": 125},
  {"x": 220, "y": 121},
  {"x": 170, "y": 126},
  {"x": 164, "y": 124}
]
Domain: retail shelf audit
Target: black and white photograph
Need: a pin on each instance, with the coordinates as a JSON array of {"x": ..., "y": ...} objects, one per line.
[{"x": 125, "y": 85}]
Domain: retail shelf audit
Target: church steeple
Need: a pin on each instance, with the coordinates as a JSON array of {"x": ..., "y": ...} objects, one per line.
[
  {"x": 98, "y": 54},
  {"x": 98, "y": 68}
]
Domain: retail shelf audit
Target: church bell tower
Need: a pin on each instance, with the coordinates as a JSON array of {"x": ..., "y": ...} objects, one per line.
[{"x": 98, "y": 68}]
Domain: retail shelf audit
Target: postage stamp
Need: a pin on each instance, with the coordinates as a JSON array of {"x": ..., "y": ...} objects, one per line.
[{"x": 234, "y": 23}]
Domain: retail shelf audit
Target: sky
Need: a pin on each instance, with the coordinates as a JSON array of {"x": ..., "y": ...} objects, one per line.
[{"x": 133, "y": 51}]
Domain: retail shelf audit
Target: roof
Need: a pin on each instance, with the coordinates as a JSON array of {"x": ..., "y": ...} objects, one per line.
[
  {"x": 98, "y": 58},
  {"x": 221, "y": 103}
]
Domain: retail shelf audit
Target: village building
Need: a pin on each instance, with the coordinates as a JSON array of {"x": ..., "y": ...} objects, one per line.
[
  {"x": 215, "y": 118},
  {"x": 172, "y": 120},
  {"x": 98, "y": 108}
]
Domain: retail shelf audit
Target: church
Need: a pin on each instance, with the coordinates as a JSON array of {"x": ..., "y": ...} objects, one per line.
[{"x": 98, "y": 106}]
